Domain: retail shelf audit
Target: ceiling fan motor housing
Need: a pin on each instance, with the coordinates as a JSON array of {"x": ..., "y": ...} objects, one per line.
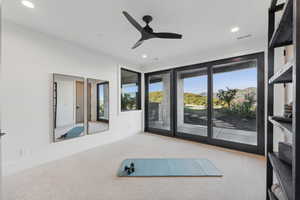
[{"x": 147, "y": 19}]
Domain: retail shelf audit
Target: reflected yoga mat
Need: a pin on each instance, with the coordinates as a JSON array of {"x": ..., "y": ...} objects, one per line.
[
  {"x": 74, "y": 132},
  {"x": 168, "y": 168}
]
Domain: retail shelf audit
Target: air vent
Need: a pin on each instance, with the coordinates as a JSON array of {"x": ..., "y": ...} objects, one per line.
[{"x": 244, "y": 37}]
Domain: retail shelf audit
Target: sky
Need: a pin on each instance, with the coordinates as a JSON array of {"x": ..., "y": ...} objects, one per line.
[
  {"x": 240, "y": 79},
  {"x": 101, "y": 93},
  {"x": 130, "y": 88}
]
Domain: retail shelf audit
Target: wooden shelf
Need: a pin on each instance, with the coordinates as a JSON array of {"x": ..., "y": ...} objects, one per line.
[
  {"x": 284, "y": 175},
  {"x": 285, "y": 127},
  {"x": 283, "y": 75},
  {"x": 283, "y": 34},
  {"x": 272, "y": 195}
]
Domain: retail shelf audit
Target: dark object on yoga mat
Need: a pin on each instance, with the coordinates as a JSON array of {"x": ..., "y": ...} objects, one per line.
[
  {"x": 130, "y": 169},
  {"x": 170, "y": 167},
  {"x": 285, "y": 152}
]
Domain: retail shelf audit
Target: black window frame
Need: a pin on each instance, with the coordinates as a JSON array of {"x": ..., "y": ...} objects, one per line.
[
  {"x": 256, "y": 149},
  {"x": 98, "y": 106},
  {"x": 139, "y": 93}
]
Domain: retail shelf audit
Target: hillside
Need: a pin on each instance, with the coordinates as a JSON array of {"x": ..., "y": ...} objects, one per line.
[
  {"x": 189, "y": 98},
  {"x": 201, "y": 99},
  {"x": 155, "y": 97},
  {"x": 240, "y": 92}
]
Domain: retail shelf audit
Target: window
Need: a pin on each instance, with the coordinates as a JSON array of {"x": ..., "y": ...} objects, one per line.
[
  {"x": 220, "y": 102},
  {"x": 102, "y": 101},
  {"x": 130, "y": 90}
]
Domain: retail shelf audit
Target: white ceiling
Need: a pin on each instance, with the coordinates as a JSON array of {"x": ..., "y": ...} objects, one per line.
[{"x": 100, "y": 25}]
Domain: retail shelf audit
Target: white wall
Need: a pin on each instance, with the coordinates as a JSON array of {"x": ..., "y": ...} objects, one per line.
[
  {"x": 28, "y": 60},
  {"x": 236, "y": 49}
]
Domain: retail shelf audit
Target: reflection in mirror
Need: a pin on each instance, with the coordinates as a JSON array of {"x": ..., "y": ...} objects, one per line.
[
  {"x": 68, "y": 107},
  {"x": 97, "y": 105}
]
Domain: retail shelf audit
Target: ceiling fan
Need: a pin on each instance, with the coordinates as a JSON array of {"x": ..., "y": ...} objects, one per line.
[{"x": 147, "y": 32}]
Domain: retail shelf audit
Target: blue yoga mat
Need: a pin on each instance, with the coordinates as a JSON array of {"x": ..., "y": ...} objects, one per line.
[
  {"x": 74, "y": 132},
  {"x": 170, "y": 167}
]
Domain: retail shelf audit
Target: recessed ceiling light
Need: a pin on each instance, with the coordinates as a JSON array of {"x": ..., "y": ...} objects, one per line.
[
  {"x": 144, "y": 56},
  {"x": 235, "y": 29},
  {"x": 28, "y": 4}
]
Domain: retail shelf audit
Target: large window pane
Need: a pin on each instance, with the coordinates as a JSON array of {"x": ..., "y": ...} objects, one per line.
[
  {"x": 192, "y": 102},
  {"x": 131, "y": 94},
  {"x": 159, "y": 102},
  {"x": 234, "y": 102}
]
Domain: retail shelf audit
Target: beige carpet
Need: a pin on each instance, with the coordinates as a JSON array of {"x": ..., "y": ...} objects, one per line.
[{"x": 91, "y": 175}]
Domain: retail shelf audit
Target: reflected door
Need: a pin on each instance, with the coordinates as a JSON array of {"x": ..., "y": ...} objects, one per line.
[
  {"x": 158, "y": 103},
  {"x": 79, "y": 102},
  {"x": 192, "y": 101}
]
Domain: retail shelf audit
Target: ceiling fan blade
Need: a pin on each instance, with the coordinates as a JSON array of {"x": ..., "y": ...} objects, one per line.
[
  {"x": 168, "y": 35},
  {"x": 133, "y": 21},
  {"x": 138, "y": 43}
]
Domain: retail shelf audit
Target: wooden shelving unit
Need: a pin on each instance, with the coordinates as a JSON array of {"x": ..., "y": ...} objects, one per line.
[{"x": 285, "y": 33}]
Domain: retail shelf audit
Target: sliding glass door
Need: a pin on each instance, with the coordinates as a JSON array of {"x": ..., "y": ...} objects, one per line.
[
  {"x": 158, "y": 103},
  {"x": 235, "y": 102},
  {"x": 219, "y": 103},
  {"x": 192, "y": 102}
]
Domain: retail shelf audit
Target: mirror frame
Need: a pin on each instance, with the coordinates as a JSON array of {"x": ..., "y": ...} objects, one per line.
[
  {"x": 108, "y": 96},
  {"x": 54, "y": 102}
]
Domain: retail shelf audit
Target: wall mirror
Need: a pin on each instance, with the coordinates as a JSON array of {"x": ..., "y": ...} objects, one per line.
[
  {"x": 97, "y": 106},
  {"x": 68, "y": 107}
]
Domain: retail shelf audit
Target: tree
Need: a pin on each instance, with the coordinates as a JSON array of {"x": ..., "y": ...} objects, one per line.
[
  {"x": 250, "y": 98},
  {"x": 249, "y": 101},
  {"x": 227, "y": 95},
  {"x": 128, "y": 102}
]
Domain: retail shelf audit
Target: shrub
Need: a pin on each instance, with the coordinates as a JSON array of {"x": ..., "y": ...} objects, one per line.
[
  {"x": 245, "y": 108},
  {"x": 128, "y": 102}
]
